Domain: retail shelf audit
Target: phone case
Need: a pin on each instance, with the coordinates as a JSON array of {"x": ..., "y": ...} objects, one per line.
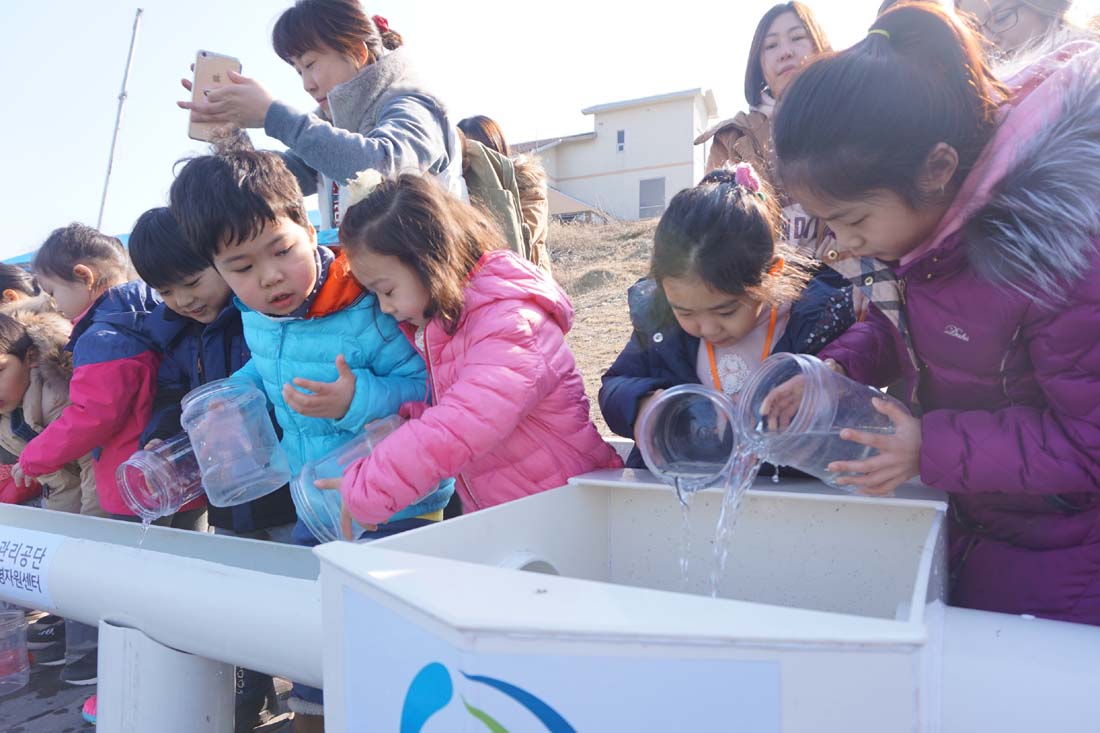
[{"x": 211, "y": 70}]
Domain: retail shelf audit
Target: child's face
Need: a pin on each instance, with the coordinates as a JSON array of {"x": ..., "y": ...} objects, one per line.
[
  {"x": 15, "y": 377},
  {"x": 880, "y": 225},
  {"x": 400, "y": 292},
  {"x": 201, "y": 296},
  {"x": 71, "y": 298},
  {"x": 703, "y": 312},
  {"x": 322, "y": 70},
  {"x": 275, "y": 271}
]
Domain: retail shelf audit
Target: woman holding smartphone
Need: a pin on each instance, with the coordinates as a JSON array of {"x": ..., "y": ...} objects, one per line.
[{"x": 372, "y": 112}]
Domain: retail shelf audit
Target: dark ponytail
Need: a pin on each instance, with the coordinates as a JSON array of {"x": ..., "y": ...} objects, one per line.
[
  {"x": 724, "y": 234},
  {"x": 866, "y": 118}
]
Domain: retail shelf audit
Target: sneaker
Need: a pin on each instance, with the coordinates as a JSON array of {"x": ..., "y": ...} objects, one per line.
[
  {"x": 89, "y": 710},
  {"x": 82, "y": 670},
  {"x": 45, "y": 631},
  {"x": 50, "y": 656}
]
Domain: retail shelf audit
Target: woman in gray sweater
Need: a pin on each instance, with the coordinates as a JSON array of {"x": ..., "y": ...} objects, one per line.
[{"x": 373, "y": 114}]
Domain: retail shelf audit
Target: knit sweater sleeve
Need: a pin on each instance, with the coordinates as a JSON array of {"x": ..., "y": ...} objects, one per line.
[{"x": 409, "y": 134}]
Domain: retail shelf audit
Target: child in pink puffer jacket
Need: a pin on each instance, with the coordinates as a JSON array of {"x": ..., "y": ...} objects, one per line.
[{"x": 509, "y": 416}]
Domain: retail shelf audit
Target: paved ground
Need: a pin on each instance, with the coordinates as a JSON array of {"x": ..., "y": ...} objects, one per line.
[{"x": 46, "y": 705}]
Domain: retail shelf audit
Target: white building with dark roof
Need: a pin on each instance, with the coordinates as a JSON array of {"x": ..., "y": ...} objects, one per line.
[{"x": 638, "y": 156}]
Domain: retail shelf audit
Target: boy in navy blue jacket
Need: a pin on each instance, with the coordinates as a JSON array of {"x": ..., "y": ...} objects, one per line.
[{"x": 198, "y": 329}]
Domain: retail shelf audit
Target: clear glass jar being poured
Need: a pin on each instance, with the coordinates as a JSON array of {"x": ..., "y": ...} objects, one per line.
[
  {"x": 159, "y": 482},
  {"x": 320, "y": 510},
  {"x": 235, "y": 442},
  {"x": 693, "y": 437}
]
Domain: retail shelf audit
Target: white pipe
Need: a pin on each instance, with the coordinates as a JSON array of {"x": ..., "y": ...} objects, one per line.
[
  {"x": 264, "y": 622},
  {"x": 1017, "y": 674},
  {"x": 145, "y": 686},
  {"x": 210, "y": 607}
]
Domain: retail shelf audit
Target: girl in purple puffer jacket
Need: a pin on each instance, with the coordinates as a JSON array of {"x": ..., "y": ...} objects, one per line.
[{"x": 972, "y": 211}]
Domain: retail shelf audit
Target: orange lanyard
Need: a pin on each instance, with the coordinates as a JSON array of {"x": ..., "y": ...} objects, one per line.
[{"x": 767, "y": 349}]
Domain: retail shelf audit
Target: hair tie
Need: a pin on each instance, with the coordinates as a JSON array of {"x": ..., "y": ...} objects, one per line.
[
  {"x": 381, "y": 24},
  {"x": 879, "y": 32},
  {"x": 777, "y": 267},
  {"x": 744, "y": 175}
]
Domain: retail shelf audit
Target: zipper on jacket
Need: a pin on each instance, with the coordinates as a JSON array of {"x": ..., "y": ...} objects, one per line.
[{"x": 431, "y": 388}]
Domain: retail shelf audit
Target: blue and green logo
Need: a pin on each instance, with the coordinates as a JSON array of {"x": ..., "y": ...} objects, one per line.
[{"x": 432, "y": 690}]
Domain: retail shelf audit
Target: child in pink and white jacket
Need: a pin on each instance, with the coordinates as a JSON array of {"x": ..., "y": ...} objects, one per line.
[
  {"x": 89, "y": 277},
  {"x": 509, "y": 416}
]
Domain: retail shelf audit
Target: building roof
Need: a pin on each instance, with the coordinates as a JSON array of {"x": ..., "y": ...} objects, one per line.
[
  {"x": 707, "y": 94},
  {"x": 537, "y": 146}
]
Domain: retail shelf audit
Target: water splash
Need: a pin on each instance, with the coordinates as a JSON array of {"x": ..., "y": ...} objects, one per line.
[
  {"x": 145, "y": 525},
  {"x": 746, "y": 466},
  {"x": 685, "y": 492}
]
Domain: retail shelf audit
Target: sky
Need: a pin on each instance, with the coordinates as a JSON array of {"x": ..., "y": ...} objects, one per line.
[{"x": 532, "y": 67}]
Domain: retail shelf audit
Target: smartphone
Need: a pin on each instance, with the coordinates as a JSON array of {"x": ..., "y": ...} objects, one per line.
[{"x": 211, "y": 70}]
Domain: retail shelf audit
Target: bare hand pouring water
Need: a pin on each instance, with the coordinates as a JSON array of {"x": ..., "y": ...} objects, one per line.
[
  {"x": 898, "y": 453},
  {"x": 781, "y": 405},
  {"x": 898, "y": 458}
]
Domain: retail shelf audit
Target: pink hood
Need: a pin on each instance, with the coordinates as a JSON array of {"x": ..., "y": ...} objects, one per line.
[
  {"x": 501, "y": 277},
  {"x": 509, "y": 416}
]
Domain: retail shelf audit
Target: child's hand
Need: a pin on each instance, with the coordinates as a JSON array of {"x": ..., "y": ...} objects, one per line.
[
  {"x": 642, "y": 404},
  {"x": 243, "y": 102},
  {"x": 782, "y": 403},
  {"x": 329, "y": 399},
  {"x": 21, "y": 479},
  {"x": 328, "y": 484},
  {"x": 898, "y": 458}
]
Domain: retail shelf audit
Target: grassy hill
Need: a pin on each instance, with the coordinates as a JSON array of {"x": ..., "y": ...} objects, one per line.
[{"x": 596, "y": 263}]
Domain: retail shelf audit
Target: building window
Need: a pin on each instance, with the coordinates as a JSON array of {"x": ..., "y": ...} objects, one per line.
[
  {"x": 651, "y": 198},
  {"x": 620, "y": 140}
]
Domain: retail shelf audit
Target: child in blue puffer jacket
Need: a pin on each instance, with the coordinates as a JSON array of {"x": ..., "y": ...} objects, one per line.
[{"x": 198, "y": 330}]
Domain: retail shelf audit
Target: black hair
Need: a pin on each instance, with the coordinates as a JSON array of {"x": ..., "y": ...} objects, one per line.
[
  {"x": 79, "y": 244},
  {"x": 228, "y": 197},
  {"x": 867, "y": 118},
  {"x": 159, "y": 251},
  {"x": 724, "y": 234},
  {"x": 13, "y": 277},
  {"x": 754, "y": 71}
]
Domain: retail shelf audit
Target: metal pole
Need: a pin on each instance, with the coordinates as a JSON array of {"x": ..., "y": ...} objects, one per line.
[{"x": 118, "y": 117}]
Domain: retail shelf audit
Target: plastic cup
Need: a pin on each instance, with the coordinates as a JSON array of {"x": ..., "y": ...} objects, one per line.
[
  {"x": 686, "y": 437},
  {"x": 235, "y": 443},
  {"x": 320, "y": 509},
  {"x": 830, "y": 403},
  {"x": 15, "y": 667},
  {"x": 159, "y": 482}
]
